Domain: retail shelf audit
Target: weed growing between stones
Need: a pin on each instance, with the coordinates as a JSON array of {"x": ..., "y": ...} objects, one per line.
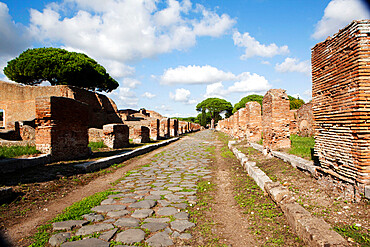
[
  {"x": 354, "y": 234},
  {"x": 73, "y": 212}
]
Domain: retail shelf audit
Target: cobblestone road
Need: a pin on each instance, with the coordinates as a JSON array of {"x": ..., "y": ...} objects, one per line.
[{"x": 152, "y": 201}]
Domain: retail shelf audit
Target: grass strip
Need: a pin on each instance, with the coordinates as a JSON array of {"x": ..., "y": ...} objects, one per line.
[
  {"x": 96, "y": 145},
  {"x": 15, "y": 151},
  {"x": 302, "y": 146},
  {"x": 73, "y": 212}
]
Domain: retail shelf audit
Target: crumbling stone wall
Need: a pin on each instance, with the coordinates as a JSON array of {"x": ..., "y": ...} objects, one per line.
[
  {"x": 305, "y": 122},
  {"x": 242, "y": 123},
  {"x": 254, "y": 121},
  {"x": 116, "y": 135},
  {"x": 293, "y": 127},
  {"x": 174, "y": 127},
  {"x": 164, "y": 129},
  {"x": 18, "y": 103},
  {"x": 96, "y": 135},
  {"x": 275, "y": 120},
  {"x": 340, "y": 98},
  {"x": 141, "y": 134},
  {"x": 154, "y": 129},
  {"x": 62, "y": 128}
]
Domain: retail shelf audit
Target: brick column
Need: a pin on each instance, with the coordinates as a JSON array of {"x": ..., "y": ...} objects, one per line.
[{"x": 116, "y": 135}]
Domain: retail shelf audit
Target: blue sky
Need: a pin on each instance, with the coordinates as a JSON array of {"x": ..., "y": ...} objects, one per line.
[{"x": 170, "y": 55}]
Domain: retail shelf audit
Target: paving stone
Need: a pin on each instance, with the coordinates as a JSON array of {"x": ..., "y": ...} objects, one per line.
[
  {"x": 174, "y": 188},
  {"x": 180, "y": 205},
  {"x": 127, "y": 222},
  {"x": 93, "y": 217},
  {"x": 181, "y": 225},
  {"x": 89, "y": 242},
  {"x": 141, "y": 192},
  {"x": 142, "y": 213},
  {"x": 175, "y": 234},
  {"x": 160, "y": 239},
  {"x": 144, "y": 204},
  {"x": 164, "y": 203},
  {"x": 154, "y": 227},
  {"x": 109, "y": 220},
  {"x": 120, "y": 213},
  {"x": 160, "y": 192},
  {"x": 153, "y": 197},
  {"x": 185, "y": 236},
  {"x": 59, "y": 238},
  {"x": 173, "y": 198},
  {"x": 157, "y": 220},
  {"x": 166, "y": 211},
  {"x": 127, "y": 200},
  {"x": 90, "y": 229},
  {"x": 130, "y": 236},
  {"x": 68, "y": 225},
  {"x": 107, "y": 236},
  {"x": 108, "y": 208},
  {"x": 181, "y": 216},
  {"x": 108, "y": 201}
]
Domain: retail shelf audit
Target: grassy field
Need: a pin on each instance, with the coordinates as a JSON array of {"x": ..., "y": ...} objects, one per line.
[
  {"x": 302, "y": 146},
  {"x": 16, "y": 151}
]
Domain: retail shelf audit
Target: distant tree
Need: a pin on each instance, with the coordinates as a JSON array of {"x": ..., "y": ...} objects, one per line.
[
  {"x": 214, "y": 106},
  {"x": 243, "y": 101},
  {"x": 59, "y": 67},
  {"x": 295, "y": 103}
]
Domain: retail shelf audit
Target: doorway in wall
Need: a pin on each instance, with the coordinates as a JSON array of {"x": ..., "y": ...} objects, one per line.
[{"x": 2, "y": 116}]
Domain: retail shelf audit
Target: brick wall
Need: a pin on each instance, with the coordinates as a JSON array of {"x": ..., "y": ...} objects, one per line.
[
  {"x": 141, "y": 134},
  {"x": 116, "y": 135},
  {"x": 305, "y": 122},
  {"x": 340, "y": 98},
  {"x": 164, "y": 129},
  {"x": 154, "y": 129},
  {"x": 18, "y": 103},
  {"x": 275, "y": 120},
  {"x": 174, "y": 127},
  {"x": 293, "y": 127},
  {"x": 62, "y": 127},
  {"x": 96, "y": 135},
  {"x": 254, "y": 121}
]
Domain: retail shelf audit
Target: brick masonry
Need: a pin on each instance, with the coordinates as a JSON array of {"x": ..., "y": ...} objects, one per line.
[
  {"x": 340, "y": 103},
  {"x": 116, "y": 135},
  {"x": 141, "y": 134},
  {"x": 305, "y": 122},
  {"x": 62, "y": 128},
  {"x": 254, "y": 121},
  {"x": 275, "y": 120}
]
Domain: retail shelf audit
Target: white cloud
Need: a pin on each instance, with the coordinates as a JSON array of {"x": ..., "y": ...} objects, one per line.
[
  {"x": 13, "y": 37},
  {"x": 163, "y": 108},
  {"x": 125, "y": 30},
  {"x": 126, "y": 97},
  {"x": 338, "y": 14},
  {"x": 131, "y": 82},
  {"x": 255, "y": 48},
  {"x": 294, "y": 65},
  {"x": 148, "y": 95},
  {"x": 216, "y": 90},
  {"x": 182, "y": 95},
  {"x": 193, "y": 74},
  {"x": 117, "y": 69},
  {"x": 249, "y": 83}
]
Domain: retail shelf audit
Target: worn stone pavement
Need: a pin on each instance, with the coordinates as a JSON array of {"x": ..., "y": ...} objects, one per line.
[{"x": 152, "y": 201}]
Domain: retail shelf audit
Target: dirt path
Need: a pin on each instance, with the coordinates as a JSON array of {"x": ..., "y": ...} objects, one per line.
[
  {"x": 232, "y": 224},
  {"x": 18, "y": 233}
]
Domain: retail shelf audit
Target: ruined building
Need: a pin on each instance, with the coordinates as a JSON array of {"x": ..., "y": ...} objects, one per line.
[{"x": 340, "y": 97}]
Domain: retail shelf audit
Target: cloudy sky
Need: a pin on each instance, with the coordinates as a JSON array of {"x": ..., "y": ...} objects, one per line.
[{"x": 169, "y": 55}]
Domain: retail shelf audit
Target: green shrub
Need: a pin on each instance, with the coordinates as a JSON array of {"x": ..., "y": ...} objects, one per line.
[{"x": 96, "y": 145}]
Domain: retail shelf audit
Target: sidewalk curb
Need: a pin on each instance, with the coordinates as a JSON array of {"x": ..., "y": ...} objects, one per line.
[
  {"x": 312, "y": 230},
  {"x": 108, "y": 161}
]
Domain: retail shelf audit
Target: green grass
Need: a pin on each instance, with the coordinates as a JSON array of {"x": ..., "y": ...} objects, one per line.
[
  {"x": 15, "y": 151},
  {"x": 73, "y": 212},
  {"x": 355, "y": 233},
  {"x": 301, "y": 146},
  {"x": 96, "y": 145}
]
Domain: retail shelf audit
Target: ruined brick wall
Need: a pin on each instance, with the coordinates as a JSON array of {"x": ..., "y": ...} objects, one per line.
[
  {"x": 62, "y": 128},
  {"x": 242, "y": 123},
  {"x": 235, "y": 127},
  {"x": 340, "y": 97},
  {"x": 116, "y": 135},
  {"x": 164, "y": 129},
  {"x": 96, "y": 135},
  {"x": 141, "y": 134},
  {"x": 275, "y": 120},
  {"x": 254, "y": 121},
  {"x": 154, "y": 129},
  {"x": 18, "y": 103},
  {"x": 174, "y": 127},
  {"x": 293, "y": 127},
  {"x": 305, "y": 122}
]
